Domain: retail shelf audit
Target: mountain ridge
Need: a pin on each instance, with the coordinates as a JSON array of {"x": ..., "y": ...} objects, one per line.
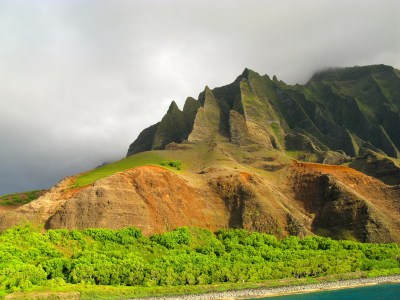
[
  {"x": 337, "y": 117},
  {"x": 313, "y": 159}
]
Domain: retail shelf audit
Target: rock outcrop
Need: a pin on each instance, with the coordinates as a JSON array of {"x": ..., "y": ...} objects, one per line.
[
  {"x": 347, "y": 204},
  {"x": 378, "y": 166},
  {"x": 175, "y": 126}
]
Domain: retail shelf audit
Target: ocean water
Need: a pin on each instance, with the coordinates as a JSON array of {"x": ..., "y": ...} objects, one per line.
[{"x": 390, "y": 291}]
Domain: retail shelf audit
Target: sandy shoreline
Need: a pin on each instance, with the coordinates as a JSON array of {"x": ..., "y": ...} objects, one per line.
[{"x": 283, "y": 290}]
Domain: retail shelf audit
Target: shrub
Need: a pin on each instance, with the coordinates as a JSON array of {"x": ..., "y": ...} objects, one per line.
[
  {"x": 170, "y": 240},
  {"x": 172, "y": 163}
]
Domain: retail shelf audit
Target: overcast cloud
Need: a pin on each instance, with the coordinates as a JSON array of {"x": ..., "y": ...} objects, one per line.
[{"x": 79, "y": 80}]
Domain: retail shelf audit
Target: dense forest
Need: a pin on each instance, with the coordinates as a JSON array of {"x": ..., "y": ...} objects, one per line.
[{"x": 30, "y": 257}]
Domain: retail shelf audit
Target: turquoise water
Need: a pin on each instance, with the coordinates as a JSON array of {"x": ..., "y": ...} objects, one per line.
[{"x": 389, "y": 291}]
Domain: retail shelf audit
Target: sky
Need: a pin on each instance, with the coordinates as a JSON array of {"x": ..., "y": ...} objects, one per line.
[{"x": 79, "y": 80}]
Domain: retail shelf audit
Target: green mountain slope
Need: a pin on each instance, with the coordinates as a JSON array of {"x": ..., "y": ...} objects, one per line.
[{"x": 338, "y": 113}]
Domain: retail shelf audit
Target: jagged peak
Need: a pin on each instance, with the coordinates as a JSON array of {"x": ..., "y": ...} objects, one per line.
[
  {"x": 173, "y": 107},
  {"x": 279, "y": 101},
  {"x": 189, "y": 103},
  {"x": 246, "y": 74},
  {"x": 206, "y": 93}
]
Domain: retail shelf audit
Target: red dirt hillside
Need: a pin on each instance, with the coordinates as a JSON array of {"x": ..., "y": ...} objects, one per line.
[
  {"x": 346, "y": 203},
  {"x": 308, "y": 198}
]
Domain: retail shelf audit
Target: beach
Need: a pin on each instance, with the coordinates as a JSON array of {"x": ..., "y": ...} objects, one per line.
[{"x": 282, "y": 290}]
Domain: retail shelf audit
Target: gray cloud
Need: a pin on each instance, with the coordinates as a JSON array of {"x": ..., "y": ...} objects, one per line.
[{"x": 80, "y": 79}]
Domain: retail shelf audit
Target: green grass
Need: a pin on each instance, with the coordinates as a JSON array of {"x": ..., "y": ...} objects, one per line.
[
  {"x": 275, "y": 127},
  {"x": 193, "y": 159},
  {"x": 20, "y": 198},
  {"x": 302, "y": 155},
  {"x": 140, "y": 159}
]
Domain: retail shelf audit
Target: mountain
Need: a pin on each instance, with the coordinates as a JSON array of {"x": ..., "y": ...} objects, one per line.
[
  {"x": 320, "y": 158},
  {"x": 337, "y": 114}
]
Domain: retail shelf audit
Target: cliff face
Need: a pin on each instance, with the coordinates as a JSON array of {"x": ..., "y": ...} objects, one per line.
[
  {"x": 302, "y": 199},
  {"x": 320, "y": 158},
  {"x": 346, "y": 203},
  {"x": 335, "y": 115}
]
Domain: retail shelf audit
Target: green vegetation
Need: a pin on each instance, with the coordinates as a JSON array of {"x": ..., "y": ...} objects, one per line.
[
  {"x": 20, "y": 198},
  {"x": 346, "y": 109},
  {"x": 140, "y": 159},
  {"x": 176, "y": 164},
  {"x": 180, "y": 261},
  {"x": 275, "y": 127},
  {"x": 302, "y": 155}
]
